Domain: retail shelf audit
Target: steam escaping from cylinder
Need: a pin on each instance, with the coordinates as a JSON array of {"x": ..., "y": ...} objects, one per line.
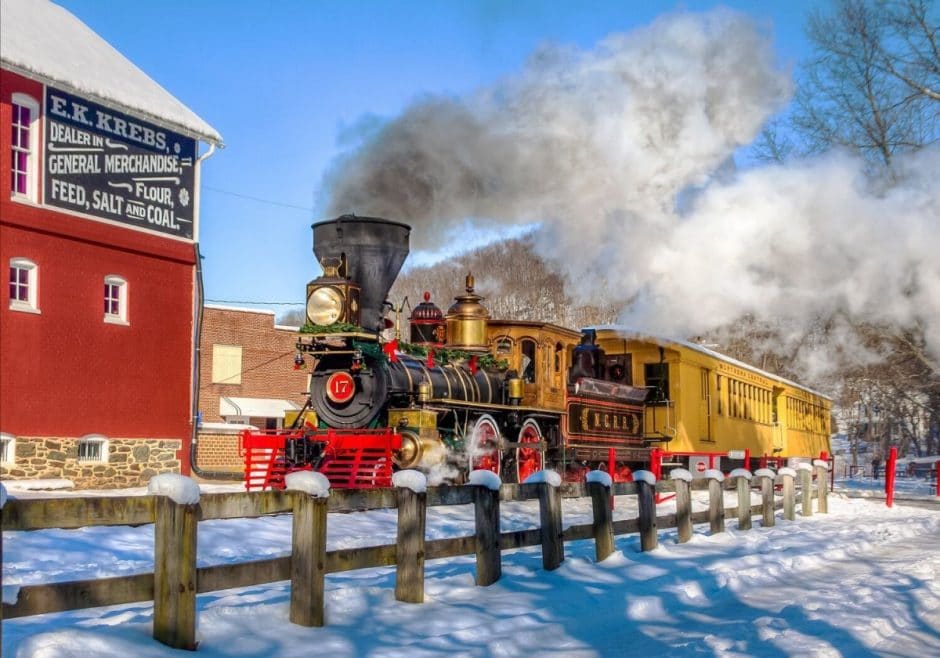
[{"x": 624, "y": 155}]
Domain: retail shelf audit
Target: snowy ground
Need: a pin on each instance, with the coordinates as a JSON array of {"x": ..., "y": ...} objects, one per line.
[{"x": 862, "y": 580}]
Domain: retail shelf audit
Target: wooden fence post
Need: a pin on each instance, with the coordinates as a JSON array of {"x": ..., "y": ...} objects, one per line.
[
  {"x": 786, "y": 476},
  {"x": 409, "y": 549},
  {"x": 822, "y": 484},
  {"x": 765, "y": 478},
  {"x": 806, "y": 487},
  {"x": 716, "y": 501},
  {"x": 489, "y": 557},
  {"x": 683, "y": 480},
  {"x": 176, "y": 508},
  {"x": 646, "y": 499},
  {"x": 310, "y": 494},
  {"x": 599, "y": 483},
  {"x": 553, "y": 544},
  {"x": 743, "y": 484}
]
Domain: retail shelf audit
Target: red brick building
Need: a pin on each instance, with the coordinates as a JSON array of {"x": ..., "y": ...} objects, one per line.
[
  {"x": 99, "y": 226},
  {"x": 247, "y": 377}
]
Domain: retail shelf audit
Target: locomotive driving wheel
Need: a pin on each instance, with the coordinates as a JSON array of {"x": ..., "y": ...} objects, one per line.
[
  {"x": 482, "y": 445},
  {"x": 529, "y": 460}
]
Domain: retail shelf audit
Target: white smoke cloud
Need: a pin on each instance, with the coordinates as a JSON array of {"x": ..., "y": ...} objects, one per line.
[
  {"x": 579, "y": 140},
  {"x": 801, "y": 242},
  {"x": 600, "y": 146}
]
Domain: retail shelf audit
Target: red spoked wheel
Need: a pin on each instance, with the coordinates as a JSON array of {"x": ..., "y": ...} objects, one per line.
[
  {"x": 483, "y": 445},
  {"x": 529, "y": 460}
]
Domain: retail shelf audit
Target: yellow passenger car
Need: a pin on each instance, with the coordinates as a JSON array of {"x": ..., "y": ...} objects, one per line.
[{"x": 704, "y": 402}]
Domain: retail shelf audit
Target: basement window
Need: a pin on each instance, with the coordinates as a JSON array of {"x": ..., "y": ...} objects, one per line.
[
  {"x": 7, "y": 449},
  {"x": 93, "y": 449}
]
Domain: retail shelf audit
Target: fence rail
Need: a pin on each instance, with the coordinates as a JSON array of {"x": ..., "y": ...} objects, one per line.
[{"x": 176, "y": 580}]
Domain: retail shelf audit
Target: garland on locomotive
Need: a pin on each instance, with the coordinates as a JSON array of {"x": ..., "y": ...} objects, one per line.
[{"x": 514, "y": 397}]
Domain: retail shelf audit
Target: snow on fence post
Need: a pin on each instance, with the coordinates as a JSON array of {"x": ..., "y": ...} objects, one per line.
[
  {"x": 411, "y": 490},
  {"x": 716, "y": 501},
  {"x": 645, "y": 493},
  {"x": 598, "y": 484},
  {"x": 822, "y": 484},
  {"x": 553, "y": 543},
  {"x": 176, "y": 507},
  {"x": 786, "y": 476},
  {"x": 486, "y": 509},
  {"x": 743, "y": 483},
  {"x": 765, "y": 478},
  {"x": 806, "y": 487},
  {"x": 683, "y": 480},
  {"x": 310, "y": 493}
]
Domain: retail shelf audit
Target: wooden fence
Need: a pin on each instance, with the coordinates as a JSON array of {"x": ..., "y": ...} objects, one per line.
[{"x": 176, "y": 580}]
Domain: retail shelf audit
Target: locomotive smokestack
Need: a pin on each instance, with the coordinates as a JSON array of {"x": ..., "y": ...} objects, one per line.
[{"x": 372, "y": 251}]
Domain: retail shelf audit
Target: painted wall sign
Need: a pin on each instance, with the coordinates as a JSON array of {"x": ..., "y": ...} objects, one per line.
[{"x": 107, "y": 164}]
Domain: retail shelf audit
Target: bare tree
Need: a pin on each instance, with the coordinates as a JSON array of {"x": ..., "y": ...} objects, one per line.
[{"x": 872, "y": 84}]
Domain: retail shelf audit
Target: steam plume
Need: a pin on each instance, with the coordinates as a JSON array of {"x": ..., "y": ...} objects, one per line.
[{"x": 600, "y": 146}]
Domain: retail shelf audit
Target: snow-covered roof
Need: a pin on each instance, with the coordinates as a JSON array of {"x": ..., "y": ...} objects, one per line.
[{"x": 43, "y": 41}]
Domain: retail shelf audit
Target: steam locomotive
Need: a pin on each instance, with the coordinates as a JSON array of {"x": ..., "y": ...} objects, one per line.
[{"x": 514, "y": 397}]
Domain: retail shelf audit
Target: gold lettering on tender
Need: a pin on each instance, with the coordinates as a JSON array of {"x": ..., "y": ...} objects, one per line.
[
  {"x": 597, "y": 420},
  {"x": 584, "y": 418}
]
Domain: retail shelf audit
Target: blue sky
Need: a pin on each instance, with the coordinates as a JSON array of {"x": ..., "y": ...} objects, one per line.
[{"x": 285, "y": 83}]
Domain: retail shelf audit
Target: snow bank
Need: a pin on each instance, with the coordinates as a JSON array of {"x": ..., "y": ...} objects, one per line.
[
  {"x": 183, "y": 490},
  {"x": 483, "y": 478},
  {"x": 600, "y": 476},
  {"x": 40, "y": 484},
  {"x": 549, "y": 477},
  {"x": 311, "y": 482},
  {"x": 410, "y": 479}
]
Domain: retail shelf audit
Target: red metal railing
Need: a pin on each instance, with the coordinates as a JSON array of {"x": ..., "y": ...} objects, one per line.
[{"x": 352, "y": 459}]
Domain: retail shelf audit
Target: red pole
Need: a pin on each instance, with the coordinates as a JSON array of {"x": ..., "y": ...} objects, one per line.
[
  {"x": 889, "y": 476},
  {"x": 611, "y": 466},
  {"x": 747, "y": 458}
]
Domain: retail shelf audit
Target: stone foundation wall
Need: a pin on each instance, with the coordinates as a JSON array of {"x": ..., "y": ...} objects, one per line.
[{"x": 130, "y": 463}]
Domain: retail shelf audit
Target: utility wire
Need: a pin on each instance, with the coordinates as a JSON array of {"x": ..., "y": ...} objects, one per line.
[{"x": 258, "y": 199}]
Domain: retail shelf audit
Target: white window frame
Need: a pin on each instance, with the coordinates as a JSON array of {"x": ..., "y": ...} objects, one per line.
[
  {"x": 102, "y": 448},
  {"x": 31, "y": 303},
  {"x": 121, "y": 316},
  {"x": 32, "y": 157},
  {"x": 7, "y": 449}
]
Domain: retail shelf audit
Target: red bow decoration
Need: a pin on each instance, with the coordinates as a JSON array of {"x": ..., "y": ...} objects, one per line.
[
  {"x": 391, "y": 348},
  {"x": 473, "y": 365},
  {"x": 430, "y": 358}
]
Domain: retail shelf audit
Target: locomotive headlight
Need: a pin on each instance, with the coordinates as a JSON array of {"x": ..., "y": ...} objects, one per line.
[{"x": 325, "y": 305}]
